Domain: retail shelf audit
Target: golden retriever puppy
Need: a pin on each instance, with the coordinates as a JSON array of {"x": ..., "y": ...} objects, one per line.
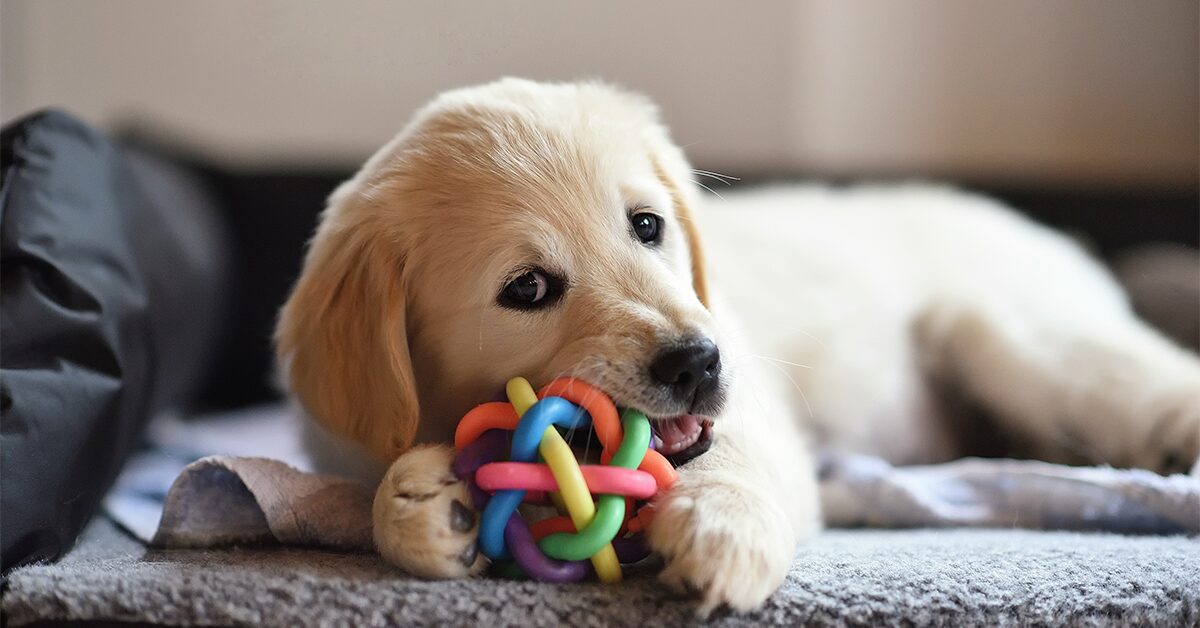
[{"x": 542, "y": 230}]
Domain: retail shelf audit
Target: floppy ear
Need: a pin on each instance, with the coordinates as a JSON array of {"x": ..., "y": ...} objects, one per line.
[
  {"x": 342, "y": 338},
  {"x": 691, "y": 233}
]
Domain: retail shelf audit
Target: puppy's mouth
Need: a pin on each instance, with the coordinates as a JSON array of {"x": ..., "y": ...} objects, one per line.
[
  {"x": 679, "y": 439},
  {"x": 682, "y": 438}
]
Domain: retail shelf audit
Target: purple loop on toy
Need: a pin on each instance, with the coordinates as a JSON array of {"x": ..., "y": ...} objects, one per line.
[
  {"x": 487, "y": 448},
  {"x": 536, "y": 564},
  {"x": 490, "y": 446},
  {"x": 630, "y": 549}
]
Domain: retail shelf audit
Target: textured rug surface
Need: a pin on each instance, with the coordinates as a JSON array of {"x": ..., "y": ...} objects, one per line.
[{"x": 844, "y": 577}]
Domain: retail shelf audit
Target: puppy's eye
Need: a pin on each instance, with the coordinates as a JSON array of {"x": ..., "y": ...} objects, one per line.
[
  {"x": 647, "y": 227},
  {"x": 531, "y": 290}
]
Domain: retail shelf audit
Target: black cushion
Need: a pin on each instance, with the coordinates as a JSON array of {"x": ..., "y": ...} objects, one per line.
[{"x": 111, "y": 274}]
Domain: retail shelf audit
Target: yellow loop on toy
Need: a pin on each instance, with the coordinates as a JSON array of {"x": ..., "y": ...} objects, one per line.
[
  {"x": 520, "y": 395},
  {"x": 574, "y": 492},
  {"x": 571, "y": 486}
]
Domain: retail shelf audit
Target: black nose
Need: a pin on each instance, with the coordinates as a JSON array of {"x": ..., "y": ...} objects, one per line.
[{"x": 687, "y": 368}]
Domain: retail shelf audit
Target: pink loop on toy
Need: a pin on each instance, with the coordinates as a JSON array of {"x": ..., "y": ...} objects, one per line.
[{"x": 601, "y": 480}]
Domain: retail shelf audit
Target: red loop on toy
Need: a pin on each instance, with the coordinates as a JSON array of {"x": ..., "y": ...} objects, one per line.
[{"x": 553, "y": 525}]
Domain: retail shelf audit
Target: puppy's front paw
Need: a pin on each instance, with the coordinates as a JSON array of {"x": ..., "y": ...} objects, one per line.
[
  {"x": 1181, "y": 436},
  {"x": 1174, "y": 437},
  {"x": 723, "y": 541},
  {"x": 423, "y": 521}
]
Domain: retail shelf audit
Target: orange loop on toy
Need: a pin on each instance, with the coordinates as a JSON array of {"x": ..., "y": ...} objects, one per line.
[
  {"x": 605, "y": 420},
  {"x": 495, "y": 415},
  {"x": 607, "y": 424}
]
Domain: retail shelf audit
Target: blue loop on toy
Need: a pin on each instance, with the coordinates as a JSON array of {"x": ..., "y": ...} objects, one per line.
[
  {"x": 543, "y": 414},
  {"x": 499, "y": 508},
  {"x": 528, "y": 435}
]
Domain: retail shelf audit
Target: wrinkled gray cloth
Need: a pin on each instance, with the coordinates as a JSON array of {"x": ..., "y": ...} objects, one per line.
[
  {"x": 866, "y": 491},
  {"x": 952, "y": 577},
  {"x": 222, "y": 499}
]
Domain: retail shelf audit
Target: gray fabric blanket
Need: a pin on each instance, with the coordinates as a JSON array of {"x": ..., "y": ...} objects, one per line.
[
  {"x": 925, "y": 577},
  {"x": 866, "y": 491},
  {"x": 224, "y": 500},
  {"x": 243, "y": 495},
  {"x": 220, "y": 500}
]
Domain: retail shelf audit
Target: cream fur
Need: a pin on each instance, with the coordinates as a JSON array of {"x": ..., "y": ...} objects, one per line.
[{"x": 840, "y": 314}]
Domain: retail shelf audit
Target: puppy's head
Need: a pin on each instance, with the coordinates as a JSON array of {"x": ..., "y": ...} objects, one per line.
[{"x": 516, "y": 228}]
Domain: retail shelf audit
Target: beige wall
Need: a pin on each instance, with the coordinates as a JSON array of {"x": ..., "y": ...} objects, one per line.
[
  {"x": 1027, "y": 90},
  {"x": 1105, "y": 90}
]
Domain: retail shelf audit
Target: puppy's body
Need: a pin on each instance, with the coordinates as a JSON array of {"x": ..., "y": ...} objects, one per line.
[
  {"x": 839, "y": 315},
  {"x": 888, "y": 297}
]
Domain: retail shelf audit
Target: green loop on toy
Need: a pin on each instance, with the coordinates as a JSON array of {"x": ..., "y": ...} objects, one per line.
[
  {"x": 610, "y": 509},
  {"x": 637, "y": 440}
]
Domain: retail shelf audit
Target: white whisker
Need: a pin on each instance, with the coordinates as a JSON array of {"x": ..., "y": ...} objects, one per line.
[
  {"x": 803, "y": 397},
  {"x": 724, "y": 178},
  {"x": 797, "y": 329},
  {"x": 714, "y": 192},
  {"x": 710, "y": 175},
  {"x": 767, "y": 357}
]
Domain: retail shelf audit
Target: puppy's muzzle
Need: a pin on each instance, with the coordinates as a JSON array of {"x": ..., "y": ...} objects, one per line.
[{"x": 689, "y": 371}]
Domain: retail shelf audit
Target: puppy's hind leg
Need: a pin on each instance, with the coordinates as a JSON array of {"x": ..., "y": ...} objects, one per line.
[
  {"x": 1074, "y": 384},
  {"x": 423, "y": 521}
]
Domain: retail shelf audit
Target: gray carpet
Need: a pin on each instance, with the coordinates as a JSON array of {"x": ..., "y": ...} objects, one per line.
[{"x": 866, "y": 577}]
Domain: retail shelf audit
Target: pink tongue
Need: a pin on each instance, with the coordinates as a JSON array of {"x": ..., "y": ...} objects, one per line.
[{"x": 678, "y": 434}]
